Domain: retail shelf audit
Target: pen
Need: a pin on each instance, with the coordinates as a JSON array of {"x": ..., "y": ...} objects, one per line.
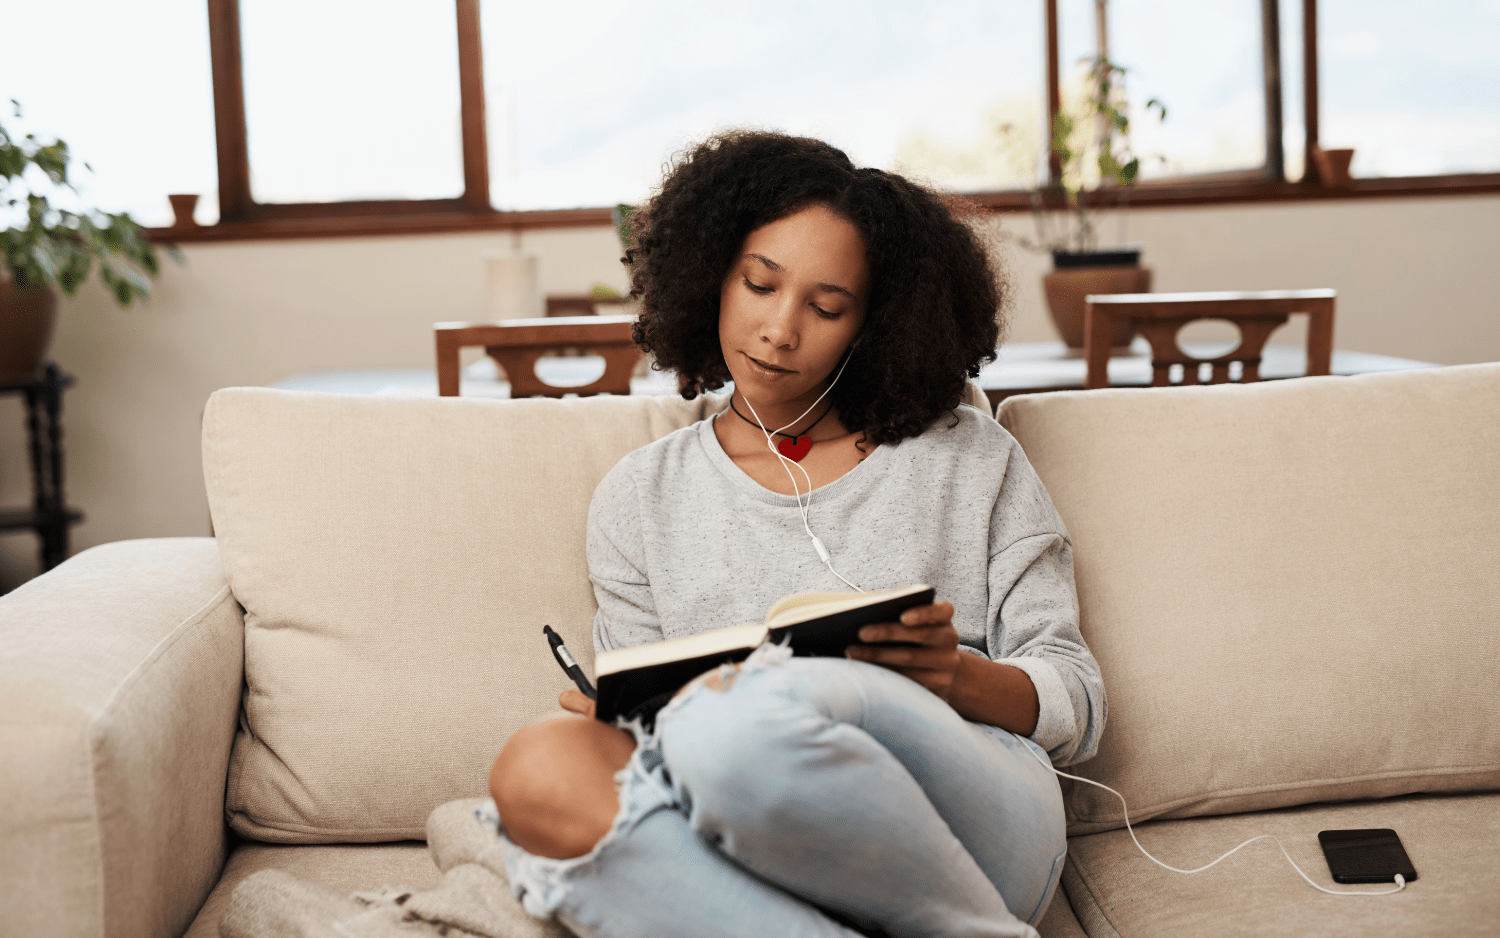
[{"x": 566, "y": 662}]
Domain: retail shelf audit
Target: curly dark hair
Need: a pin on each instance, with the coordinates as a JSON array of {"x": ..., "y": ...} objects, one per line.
[{"x": 932, "y": 317}]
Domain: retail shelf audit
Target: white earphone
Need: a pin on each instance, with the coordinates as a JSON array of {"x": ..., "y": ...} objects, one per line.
[
  {"x": 788, "y": 463},
  {"x": 823, "y": 555},
  {"x": 1399, "y": 880}
]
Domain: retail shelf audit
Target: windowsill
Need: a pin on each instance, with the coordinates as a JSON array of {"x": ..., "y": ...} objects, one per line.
[
  {"x": 1146, "y": 195},
  {"x": 347, "y": 226},
  {"x": 1167, "y": 194}
]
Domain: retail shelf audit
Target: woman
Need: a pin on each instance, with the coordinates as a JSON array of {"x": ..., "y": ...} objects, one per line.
[{"x": 903, "y": 789}]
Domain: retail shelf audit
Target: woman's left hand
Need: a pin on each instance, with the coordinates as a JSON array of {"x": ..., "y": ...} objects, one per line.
[{"x": 934, "y": 664}]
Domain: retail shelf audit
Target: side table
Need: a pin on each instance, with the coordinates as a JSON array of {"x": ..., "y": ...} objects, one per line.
[{"x": 48, "y": 515}]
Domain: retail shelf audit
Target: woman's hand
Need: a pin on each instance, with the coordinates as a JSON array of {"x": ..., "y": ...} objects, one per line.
[
  {"x": 575, "y": 701},
  {"x": 934, "y": 664}
]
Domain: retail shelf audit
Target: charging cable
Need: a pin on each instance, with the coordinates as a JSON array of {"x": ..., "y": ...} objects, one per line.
[
  {"x": 1400, "y": 880},
  {"x": 788, "y": 463}
]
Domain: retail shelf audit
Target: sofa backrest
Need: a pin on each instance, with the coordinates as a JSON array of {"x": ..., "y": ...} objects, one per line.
[
  {"x": 396, "y": 559},
  {"x": 1291, "y": 587}
]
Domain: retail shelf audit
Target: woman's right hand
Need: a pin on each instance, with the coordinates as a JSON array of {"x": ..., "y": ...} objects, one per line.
[{"x": 576, "y": 701}]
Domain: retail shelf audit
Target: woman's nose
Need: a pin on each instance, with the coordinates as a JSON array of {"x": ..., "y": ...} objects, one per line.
[{"x": 780, "y": 326}]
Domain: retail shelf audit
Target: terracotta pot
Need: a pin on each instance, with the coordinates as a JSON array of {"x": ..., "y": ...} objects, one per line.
[
  {"x": 26, "y": 321},
  {"x": 1066, "y": 289},
  {"x": 183, "y": 204},
  {"x": 1333, "y": 167}
]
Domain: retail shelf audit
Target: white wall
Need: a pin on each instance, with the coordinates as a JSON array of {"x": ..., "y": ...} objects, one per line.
[{"x": 1416, "y": 279}]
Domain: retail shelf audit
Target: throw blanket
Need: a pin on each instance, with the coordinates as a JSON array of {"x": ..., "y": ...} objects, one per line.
[{"x": 472, "y": 898}]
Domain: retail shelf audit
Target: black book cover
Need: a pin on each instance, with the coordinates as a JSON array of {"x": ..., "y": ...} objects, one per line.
[{"x": 640, "y": 692}]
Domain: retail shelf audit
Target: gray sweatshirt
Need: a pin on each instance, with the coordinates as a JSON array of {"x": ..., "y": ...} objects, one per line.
[{"x": 681, "y": 540}]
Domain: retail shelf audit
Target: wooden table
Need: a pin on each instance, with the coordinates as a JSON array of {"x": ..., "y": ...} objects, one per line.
[
  {"x": 1022, "y": 368},
  {"x": 1033, "y": 367}
]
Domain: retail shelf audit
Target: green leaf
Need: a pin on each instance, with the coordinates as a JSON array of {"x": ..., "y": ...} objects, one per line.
[
  {"x": 75, "y": 273},
  {"x": 59, "y": 247}
]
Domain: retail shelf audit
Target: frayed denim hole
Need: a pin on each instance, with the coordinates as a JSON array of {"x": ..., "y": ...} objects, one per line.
[
  {"x": 651, "y": 760},
  {"x": 488, "y": 815},
  {"x": 541, "y": 883}
]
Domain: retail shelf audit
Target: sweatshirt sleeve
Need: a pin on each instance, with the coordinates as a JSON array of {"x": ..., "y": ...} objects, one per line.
[
  {"x": 617, "y": 565},
  {"x": 1034, "y": 615}
]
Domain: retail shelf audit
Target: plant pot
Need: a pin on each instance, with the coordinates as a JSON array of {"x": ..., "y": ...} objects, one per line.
[
  {"x": 183, "y": 204},
  {"x": 26, "y": 321},
  {"x": 1118, "y": 257},
  {"x": 1067, "y": 288},
  {"x": 1333, "y": 167}
]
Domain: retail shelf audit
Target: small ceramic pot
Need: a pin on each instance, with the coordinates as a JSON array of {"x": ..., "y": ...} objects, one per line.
[
  {"x": 183, "y": 204},
  {"x": 1333, "y": 167}
]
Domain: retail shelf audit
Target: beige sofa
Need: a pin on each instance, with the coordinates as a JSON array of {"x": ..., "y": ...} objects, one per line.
[{"x": 1291, "y": 588}]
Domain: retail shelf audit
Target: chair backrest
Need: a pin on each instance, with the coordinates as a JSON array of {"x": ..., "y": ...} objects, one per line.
[
  {"x": 1159, "y": 317},
  {"x": 583, "y": 305},
  {"x": 516, "y": 345}
]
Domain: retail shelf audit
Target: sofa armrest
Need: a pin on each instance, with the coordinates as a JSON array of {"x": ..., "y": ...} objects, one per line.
[{"x": 120, "y": 675}]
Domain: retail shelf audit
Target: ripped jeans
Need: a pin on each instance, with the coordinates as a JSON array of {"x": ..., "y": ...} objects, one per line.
[{"x": 793, "y": 787}]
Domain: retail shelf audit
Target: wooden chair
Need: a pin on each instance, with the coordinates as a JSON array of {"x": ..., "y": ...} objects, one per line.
[
  {"x": 1159, "y": 317},
  {"x": 516, "y": 345},
  {"x": 582, "y": 305}
]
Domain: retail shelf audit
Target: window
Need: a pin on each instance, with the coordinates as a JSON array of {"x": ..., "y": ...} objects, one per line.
[
  {"x": 1203, "y": 61},
  {"x": 509, "y": 113},
  {"x": 348, "y": 106},
  {"x": 1410, "y": 87},
  {"x": 127, "y": 86},
  {"x": 586, "y": 99}
]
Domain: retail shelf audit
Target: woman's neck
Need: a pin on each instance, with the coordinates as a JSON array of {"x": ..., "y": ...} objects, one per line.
[{"x": 820, "y": 421}]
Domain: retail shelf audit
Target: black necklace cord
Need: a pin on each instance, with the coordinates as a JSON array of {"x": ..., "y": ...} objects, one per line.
[{"x": 791, "y": 436}]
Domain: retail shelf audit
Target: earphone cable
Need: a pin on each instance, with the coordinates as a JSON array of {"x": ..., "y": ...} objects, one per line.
[
  {"x": 1125, "y": 811},
  {"x": 803, "y": 509}
]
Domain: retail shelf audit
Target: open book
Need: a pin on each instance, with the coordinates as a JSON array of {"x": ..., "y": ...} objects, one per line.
[{"x": 638, "y": 681}]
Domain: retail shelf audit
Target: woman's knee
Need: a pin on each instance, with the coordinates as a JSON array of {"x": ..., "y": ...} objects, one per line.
[
  {"x": 553, "y": 785},
  {"x": 729, "y": 751}
]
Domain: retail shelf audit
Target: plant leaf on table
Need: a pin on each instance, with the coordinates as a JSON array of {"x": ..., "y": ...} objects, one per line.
[{"x": 55, "y": 247}]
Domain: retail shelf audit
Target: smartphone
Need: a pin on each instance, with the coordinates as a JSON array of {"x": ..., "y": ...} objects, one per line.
[{"x": 1365, "y": 856}]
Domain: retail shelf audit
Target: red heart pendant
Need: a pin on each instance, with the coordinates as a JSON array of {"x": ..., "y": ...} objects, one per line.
[{"x": 795, "y": 449}]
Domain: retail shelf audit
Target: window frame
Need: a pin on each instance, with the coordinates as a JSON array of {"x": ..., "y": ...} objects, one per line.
[{"x": 242, "y": 218}]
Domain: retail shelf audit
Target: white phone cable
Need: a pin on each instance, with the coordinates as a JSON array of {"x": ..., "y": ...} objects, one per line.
[
  {"x": 803, "y": 509},
  {"x": 1400, "y": 880}
]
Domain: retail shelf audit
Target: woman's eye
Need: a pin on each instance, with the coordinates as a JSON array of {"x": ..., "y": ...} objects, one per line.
[
  {"x": 826, "y": 314},
  {"x": 755, "y": 287}
]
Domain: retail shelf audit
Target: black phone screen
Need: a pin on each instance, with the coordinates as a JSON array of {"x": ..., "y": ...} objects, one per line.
[{"x": 1366, "y": 856}]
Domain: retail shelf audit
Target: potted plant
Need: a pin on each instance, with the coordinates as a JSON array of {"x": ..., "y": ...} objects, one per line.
[
  {"x": 44, "y": 249},
  {"x": 1093, "y": 146}
]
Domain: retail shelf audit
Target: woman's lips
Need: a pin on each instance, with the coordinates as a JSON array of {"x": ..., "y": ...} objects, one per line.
[{"x": 769, "y": 367}]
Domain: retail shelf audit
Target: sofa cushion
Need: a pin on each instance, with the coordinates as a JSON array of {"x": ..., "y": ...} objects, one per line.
[
  {"x": 1290, "y": 587},
  {"x": 1453, "y": 842},
  {"x": 396, "y": 559}
]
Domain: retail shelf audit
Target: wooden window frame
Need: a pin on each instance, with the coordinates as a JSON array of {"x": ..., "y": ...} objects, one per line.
[
  {"x": 238, "y": 205},
  {"x": 242, "y": 218}
]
